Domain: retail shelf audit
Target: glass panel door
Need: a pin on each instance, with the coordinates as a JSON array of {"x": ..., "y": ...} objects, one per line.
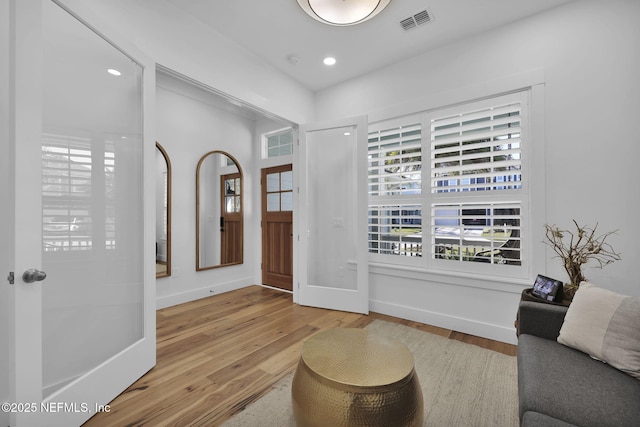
[
  {"x": 331, "y": 209},
  {"x": 333, "y": 268},
  {"x": 92, "y": 206},
  {"x": 85, "y": 328}
]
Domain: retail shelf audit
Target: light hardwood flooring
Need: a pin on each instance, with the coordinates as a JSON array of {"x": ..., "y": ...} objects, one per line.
[{"x": 217, "y": 355}]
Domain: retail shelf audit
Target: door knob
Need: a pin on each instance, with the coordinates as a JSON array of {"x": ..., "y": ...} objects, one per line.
[{"x": 33, "y": 275}]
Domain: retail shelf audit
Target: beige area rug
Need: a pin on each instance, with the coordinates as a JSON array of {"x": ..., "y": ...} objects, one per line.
[{"x": 462, "y": 384}]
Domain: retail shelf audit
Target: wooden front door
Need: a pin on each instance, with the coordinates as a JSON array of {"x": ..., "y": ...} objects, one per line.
[
  {"x": 277, "y": 227},
  {"x": 231, "y": 219}
]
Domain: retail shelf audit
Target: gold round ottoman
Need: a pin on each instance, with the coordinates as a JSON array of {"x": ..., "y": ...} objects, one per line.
[{"x": 352, "y": 377}]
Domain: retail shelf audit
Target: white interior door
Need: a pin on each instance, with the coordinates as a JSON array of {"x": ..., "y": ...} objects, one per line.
[
  {"x": 332, "y": 269},
  {"x": 81, "y": 141}
]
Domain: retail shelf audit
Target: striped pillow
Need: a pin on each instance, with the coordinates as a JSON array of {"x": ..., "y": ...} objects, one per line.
[{"x": 605, "y": 325}]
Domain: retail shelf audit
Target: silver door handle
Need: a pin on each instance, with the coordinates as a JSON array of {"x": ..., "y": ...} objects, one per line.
[{"x": 33, "y": 275}]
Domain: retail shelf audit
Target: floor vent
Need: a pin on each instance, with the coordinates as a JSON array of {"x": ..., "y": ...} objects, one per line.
[{"x": 415, "y": 20}]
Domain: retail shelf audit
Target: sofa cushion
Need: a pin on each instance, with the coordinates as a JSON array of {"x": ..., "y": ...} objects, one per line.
[
  {"x": 605, "y": 325},
  {"x": 568, "y": 385}
]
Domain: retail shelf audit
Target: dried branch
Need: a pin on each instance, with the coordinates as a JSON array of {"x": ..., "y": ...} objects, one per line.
[{"x": 584, "y": 245}]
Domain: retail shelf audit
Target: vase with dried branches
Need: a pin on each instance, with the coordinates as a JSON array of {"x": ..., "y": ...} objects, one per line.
[{"x": 577, "y": 247}]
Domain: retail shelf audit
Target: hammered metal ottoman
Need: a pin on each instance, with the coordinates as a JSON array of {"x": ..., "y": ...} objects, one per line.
[{"x": 352, "y": 377}]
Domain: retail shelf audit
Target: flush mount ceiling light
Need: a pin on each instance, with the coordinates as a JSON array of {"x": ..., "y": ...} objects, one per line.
[
  {"x": 342, "y": 12},
  {"x": 329, "y": 60}
]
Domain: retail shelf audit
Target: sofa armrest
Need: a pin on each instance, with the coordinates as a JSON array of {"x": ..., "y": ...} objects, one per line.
[{"x": 540, "y": 319}]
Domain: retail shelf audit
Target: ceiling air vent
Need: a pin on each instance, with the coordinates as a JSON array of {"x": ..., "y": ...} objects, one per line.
[{"x": 415, "y": 20}]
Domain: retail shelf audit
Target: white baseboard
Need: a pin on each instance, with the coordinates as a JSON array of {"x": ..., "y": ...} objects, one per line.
[
  {"x": 204, "y": 292},
  {"x": 468, "y": 326},
  {"x": 459, "y": 324}
]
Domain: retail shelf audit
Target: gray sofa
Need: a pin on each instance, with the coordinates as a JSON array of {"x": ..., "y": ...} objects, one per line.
[{"x": 561, "y": 386}]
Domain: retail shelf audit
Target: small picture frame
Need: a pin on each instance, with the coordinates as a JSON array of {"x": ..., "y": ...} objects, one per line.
[{"x": 547, "y": 288}]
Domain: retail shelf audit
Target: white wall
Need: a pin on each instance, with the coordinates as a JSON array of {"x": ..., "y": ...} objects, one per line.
[
  {"x": 185, "y": 45},
  {"x": 188, "y": 127},
  {"x": 587, "y": 53},
  {"x": 191, "y": 123}
]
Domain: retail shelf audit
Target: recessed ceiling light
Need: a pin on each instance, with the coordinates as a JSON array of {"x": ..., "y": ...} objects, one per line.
[
  {"x": 342, "y": 12},
  {"x": 329, "y": 60},
  {"x": 114, "y": 72}
]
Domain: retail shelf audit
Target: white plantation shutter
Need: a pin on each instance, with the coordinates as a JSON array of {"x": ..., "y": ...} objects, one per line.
[
  {"x": 476, "y": 181},
  {"x": 395, "y": 161},
  {"x": 395, "y": 230},
  {"x": 477, "y": 150},
  {"x": 481, "y": 232},
  {"x": 473, "y": 205},
  {"x": 395, "y": 188}
]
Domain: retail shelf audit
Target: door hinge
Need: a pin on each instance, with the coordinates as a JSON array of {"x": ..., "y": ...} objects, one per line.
[{"x": 11, "y": 278}]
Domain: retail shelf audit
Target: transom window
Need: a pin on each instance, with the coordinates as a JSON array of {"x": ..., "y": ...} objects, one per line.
[{"x": 278, "y": 144}]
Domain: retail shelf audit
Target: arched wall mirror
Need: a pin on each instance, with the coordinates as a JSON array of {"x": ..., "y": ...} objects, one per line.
[
  {"x": 163, "y": 213},
  {"x": 219, "y": 218}
]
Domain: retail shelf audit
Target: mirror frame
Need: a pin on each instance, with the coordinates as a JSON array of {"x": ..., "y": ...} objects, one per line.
[
  {"x": 200, "y": 162},
  {"x": 166, "y": 158}
]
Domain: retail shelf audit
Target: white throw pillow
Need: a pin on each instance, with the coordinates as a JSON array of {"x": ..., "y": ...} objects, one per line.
[{"x": 605, "y": 325}]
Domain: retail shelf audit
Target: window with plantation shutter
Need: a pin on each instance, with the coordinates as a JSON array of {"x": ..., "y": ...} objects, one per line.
[
  {"x": 448, "y": 185},
  {"x": 477, "y": 150},
  {"x": 481, "y": 232},
  {"x": 476, "y": 181},
  {"x": 395, "y": 229},
  {"x": 395, "y": 189},
  {"x": 395, "y": 161}
]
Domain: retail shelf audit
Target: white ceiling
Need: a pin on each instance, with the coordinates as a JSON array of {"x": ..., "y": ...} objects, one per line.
[{"x": 277, "y": 29}]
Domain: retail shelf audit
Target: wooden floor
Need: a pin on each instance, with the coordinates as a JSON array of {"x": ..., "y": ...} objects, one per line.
[{"x": 217, "y": 355}]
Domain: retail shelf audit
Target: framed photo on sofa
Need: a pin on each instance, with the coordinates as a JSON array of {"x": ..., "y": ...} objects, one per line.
[{"x": 547, "y": 288}]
